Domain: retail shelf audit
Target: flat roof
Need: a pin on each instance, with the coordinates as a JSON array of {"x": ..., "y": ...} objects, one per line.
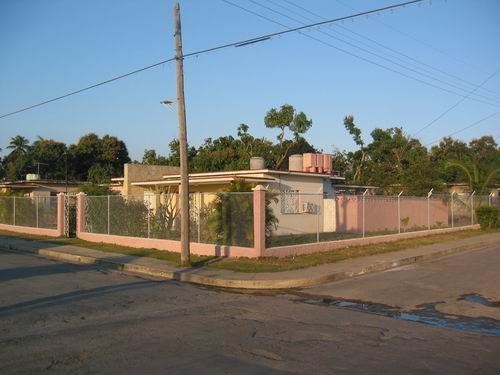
[
  {"x": 200, "y": 181},
  {"x": 257, "y": 171}
]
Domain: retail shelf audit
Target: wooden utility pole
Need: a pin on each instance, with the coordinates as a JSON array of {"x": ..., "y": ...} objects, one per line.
[{"x": 181, "y": 111}]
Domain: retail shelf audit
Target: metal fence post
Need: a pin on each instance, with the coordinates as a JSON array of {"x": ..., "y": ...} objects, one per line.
[
  {"x": 14, "y": 213},
  {"x": 472, "y": 207},
  {"x": 399, "y": 212},
  {"x": 149, "y": 216},
  {"x": 36, "y": 209},
  {"x": 452, "y": 217},
  {"x": 366, "y": 191},
  {"x": 429, "y": 209},
  {"x": 108, "y": 213}
]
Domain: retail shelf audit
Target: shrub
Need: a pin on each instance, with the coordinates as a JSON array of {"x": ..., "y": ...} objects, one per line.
[{"x": 488, "y": 217}]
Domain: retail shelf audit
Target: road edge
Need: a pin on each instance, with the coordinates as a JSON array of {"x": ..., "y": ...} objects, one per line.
[{"x": 189, "y": 275}]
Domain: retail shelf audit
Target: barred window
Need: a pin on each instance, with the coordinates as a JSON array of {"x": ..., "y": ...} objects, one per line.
[{"x": 290, "y": 202}]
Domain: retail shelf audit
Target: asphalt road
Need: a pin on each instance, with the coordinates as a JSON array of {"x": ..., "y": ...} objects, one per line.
[
  {"x": 62, "y": 318},
  {"x": 448, "y": 283}
]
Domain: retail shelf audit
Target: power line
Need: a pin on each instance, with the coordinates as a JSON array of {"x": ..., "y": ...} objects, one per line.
[
  {"x": 212, "y": 49},
  {"x": 353, "y": 54},
  {"x": 465, "y": 128},
  {"x": 440, "y": 116},
  {"x": 372, "y": 53},
  {"x": 407, "y": 35},
  {"x": 457, "y": 103},
  {"x": 86, "y": 88},
  {"x": 441, "y": 71}
]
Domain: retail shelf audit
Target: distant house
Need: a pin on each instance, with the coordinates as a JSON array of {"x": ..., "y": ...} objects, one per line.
[
  {"x": 308, "y": 173},
  {"x": 34, "y": 187},
  {"x": 306, "y": 188}
]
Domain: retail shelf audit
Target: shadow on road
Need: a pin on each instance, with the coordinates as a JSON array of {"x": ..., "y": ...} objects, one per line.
[{"x": 74, "y": 296}]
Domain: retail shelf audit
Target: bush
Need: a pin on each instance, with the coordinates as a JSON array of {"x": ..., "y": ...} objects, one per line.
[{"x": 488, "y": 217}]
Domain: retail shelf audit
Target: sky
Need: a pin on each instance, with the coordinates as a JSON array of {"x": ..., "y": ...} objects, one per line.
[{"x": 51, "y": 47}]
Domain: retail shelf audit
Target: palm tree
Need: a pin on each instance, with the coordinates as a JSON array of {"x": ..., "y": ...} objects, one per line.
[
  {"x": 19, "y": 144},
  {"x": 480, "y": 176}
]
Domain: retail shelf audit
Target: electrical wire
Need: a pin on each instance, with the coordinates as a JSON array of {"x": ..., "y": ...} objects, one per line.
[
  {"x": 426, "y": 44},
  {"x": 216, "y": 48},
  {"x": 465, "y": 128},
  {"x": 388, "y": 48},
  {"x": 355, "y": 55},
  {"x": 456, "y": 104},
  {"x": 376, "y": 54}
]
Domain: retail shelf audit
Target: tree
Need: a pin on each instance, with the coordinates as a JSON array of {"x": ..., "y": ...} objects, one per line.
[
  {"x": 449, "y": 149},
  {"x": 100, "y": 174},
  {"x": 480, "y": 175},
  {"x": 51, "y": 155},
  {"x": 398, "y": 162},
  {"x": 109, "y": 152},
  {"x": 151, "y": 158},
  {"x": 358, "y": 158},
  {"x": 19, "y": 144},
  {"x": 475, "y": 164},
  {"x": 16, "y": 162},
  {"x": 286, "y": 118}
]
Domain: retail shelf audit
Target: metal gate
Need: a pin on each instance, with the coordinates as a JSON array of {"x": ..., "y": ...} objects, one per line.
[{"x": 70, "y": 215}]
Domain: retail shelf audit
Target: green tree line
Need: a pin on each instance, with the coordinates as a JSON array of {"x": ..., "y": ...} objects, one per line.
[{"x": 388, "y": 158}]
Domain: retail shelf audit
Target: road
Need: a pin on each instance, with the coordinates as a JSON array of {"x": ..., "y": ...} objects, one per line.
[
  {"x": 455, "y": 285},
  {"x": 63, "y": 318}
]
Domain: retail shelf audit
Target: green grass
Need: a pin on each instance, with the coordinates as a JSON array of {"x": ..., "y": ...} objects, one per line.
[
  {"x": 274, "y": 264},
  {"x": 169, "y": 256},
  {"x": 268, "y": 264}
]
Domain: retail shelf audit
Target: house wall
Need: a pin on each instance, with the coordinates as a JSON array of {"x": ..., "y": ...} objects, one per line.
[
  {"x": 311, "y": 190},
  {"x": 142, "y": 172}
]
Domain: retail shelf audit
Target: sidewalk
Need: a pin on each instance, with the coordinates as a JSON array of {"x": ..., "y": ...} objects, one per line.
[{"x": 229, "y": 279}]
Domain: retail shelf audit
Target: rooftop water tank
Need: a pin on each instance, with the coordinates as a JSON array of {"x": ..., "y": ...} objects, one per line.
[
  {"x": 257, "y": 162},
  {"x": 32, "y": 177},
  {"x": 295, "y": 163}
]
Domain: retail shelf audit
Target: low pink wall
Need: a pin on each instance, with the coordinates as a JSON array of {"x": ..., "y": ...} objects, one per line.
[
  {"x": 32, "y": 231},
  {"x": 170, "y": 245},
  {"x": 381, "y": 213},
  {"x": 317, "y": 247}
]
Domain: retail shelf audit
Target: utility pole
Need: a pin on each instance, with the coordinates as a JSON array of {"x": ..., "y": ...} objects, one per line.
[{"x": 181, "y": 111}]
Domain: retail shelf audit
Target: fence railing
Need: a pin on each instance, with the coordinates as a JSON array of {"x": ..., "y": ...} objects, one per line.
[
  {"x": 252, "y": 222},
  {"x": 303, "y": 218},
  {"x": 215, "y": 218},
  {"x": 33, "y": 212}
]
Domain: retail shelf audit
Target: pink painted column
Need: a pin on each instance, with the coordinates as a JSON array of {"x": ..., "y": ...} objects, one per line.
[
  {"x": 259, "y": 219},
  {"x": 60, "y": 214},
  {"x": 80, "y": 213}
]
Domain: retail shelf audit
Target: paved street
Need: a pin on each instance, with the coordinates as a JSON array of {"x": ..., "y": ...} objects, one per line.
[
  {"x": 455, "y": 284},
  {"x": 62, "y": 318}
]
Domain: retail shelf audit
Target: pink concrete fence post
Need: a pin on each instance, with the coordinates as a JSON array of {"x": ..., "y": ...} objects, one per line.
[
  {"x": 259, "y": 219},
  {"x": 60, "y": 214},
  {"x": 80, "y": 213}
]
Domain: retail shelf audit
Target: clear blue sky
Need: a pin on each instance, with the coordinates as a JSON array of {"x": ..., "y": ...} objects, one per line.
[{"x": 50, "y": 47}]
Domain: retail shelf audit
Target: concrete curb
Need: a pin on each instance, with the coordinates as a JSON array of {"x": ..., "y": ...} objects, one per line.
[{"x": 188, "y": 275}]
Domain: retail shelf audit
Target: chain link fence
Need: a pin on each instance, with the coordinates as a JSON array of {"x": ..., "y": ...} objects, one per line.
[
  {"x": 35, "y": 212},
  {"x": 307, "y": 218},
  {"x": 215, "y": 218}
]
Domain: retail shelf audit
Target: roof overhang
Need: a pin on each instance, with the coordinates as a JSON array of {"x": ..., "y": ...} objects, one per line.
[{"x": 202, "y": 181}]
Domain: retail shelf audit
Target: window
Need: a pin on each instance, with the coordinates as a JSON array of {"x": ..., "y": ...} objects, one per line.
[{"x": 290, "y": 202}]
